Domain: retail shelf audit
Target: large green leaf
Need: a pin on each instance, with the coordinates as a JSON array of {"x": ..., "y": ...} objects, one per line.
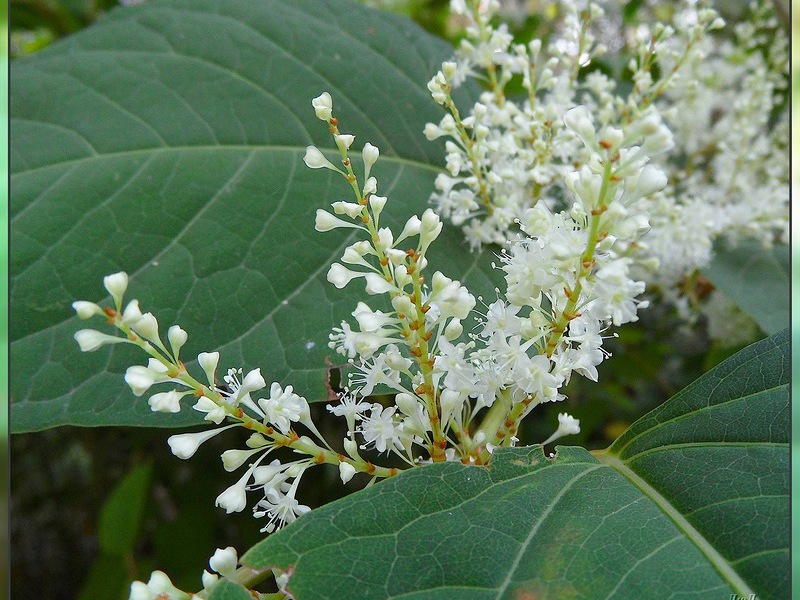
[
  {"x": 167, "y": 141},
  {"x": 691, "y": 502},
  {"x": 756, "y": 280},
  {"x": 121, "y": 517},
  {"x": 226, "y": 590}
]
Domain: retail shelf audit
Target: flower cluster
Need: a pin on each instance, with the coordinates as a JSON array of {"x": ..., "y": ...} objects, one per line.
[
  {"x": 440, "y": 383},
  {"x": 727, "y": 171},
  {"x": 591, "y": 195},
  {"x": 270, "y": 414}
]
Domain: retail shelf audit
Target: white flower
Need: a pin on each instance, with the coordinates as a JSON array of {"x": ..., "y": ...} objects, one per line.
[
  {"x": 579, "y": 120},
  {"x": 283, "y": 407},
  {"x": 158, "y": 587},
  {"x": 132, "y": 313},
  {"x": 177, "y": 338},
  {"x": 323, "y": 105},
  {"x": 351, "y": 209},
  {"x": 430, "y": 228},
  {"x": 224, "y": 561},
  {"x": 370, "y": 155},
  {"x": 346, "y": 471},
  {"x": 380, "y": 428},
  {"x": 208, "y": 361},
  {"x": 90, "y": 340},
  {"x": 184, "y": 445},
  {"x": 567, "y": 425},
  {"x": 325, "y": 221},
  {"x": 116, "y": 285},
  {"x": 234, "y": 498},
  {"x": 343, "y": 141},
  {"x": 349, "y": 408},
  {"x": 374, "y": 373},
  {"x": 167, "y": 402},
  {"x": 147, "y": 327},
  {"x": 271, "y": 474},
  {"x": 281, "y": 508},
  {"x": 233, "y": 459},
  {"x": 377, "y": 284},
  {"x": 140, "y": 378},
  {"x": 240, "y": 391},
  {"x": 340, "y": 276},
  {"x": 210, "y": 581},
  {"x": 86, "y": 310},
  {"x": 214, "y": 412},
  {"x": 314, "y": 159},
  {"x": 449, "y": 298}
]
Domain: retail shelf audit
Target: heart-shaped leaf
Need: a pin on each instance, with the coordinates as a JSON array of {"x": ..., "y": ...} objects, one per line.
[
  {"x": 692, "y": 501},
  {"x": 167, "y": 141}
]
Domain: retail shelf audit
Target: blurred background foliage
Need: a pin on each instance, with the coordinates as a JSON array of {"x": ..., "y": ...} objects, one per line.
[{"x": 92, "y": 509}]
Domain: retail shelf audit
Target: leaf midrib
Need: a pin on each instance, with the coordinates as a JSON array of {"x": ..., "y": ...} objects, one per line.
[{"x": 712, "y": 554}]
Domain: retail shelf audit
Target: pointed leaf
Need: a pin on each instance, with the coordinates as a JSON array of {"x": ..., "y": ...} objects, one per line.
[
  {"x": 121, "y": 516},
  {"x": 146, "y": 144},
  {"x": 691, "y": 502}
]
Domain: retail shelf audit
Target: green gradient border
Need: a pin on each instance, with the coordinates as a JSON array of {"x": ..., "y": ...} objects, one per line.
[
  {"x": 5, "y": 580},
  {"x": 795, "y": 305}
]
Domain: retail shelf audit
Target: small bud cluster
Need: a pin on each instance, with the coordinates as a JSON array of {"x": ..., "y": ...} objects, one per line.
[
  {"x": 270, "y": 414},
  {"x": 159, "y": 587}
]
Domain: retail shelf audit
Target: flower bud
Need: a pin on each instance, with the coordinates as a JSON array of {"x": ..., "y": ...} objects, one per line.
[
  {"x": 370, "y": 155},
  {"x": 351, "y": 209},
  {"x": 430, "y": 228},
  {"x": 402, "y": 305},
  {"x": 453, "y": 330},
  {"x": 344, "y": 141},
  {"x": 116, "y": 284},
  {"x": 208, "y": 362},
  {"x": 579, "y": 120},
  {"x": 340, "y": 276},
  {"x": 407, "y": 403},
  {"x": 651, "y": 180},
  {"x": 351, "y": 447},
  {"x": 323, "y": 105},
  {"x": 234, "y": 499},
  {"x": 184, "y": 445},
  {"x": 377, "y": 203},
  {"x": 147, "y": 327},
  {"x": 567, "y": 425},
  {"x": 86, "y": 310},
  {"x": 90, "y": 340},
  {"x": 166, "y": 402},
  {"x": 314, "y": 159},
  {"x": 377, "y": 284},
  {"x": 224, "y": 561},
  {"x": 177, "y": 338},
  {"x": 412, "y": 227},
  {"x": 132, "y": 313},
  {"x": 325, "y": 221},
  {"x": 346, "y": 471},
  {"x": 370, "y": 187}
]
